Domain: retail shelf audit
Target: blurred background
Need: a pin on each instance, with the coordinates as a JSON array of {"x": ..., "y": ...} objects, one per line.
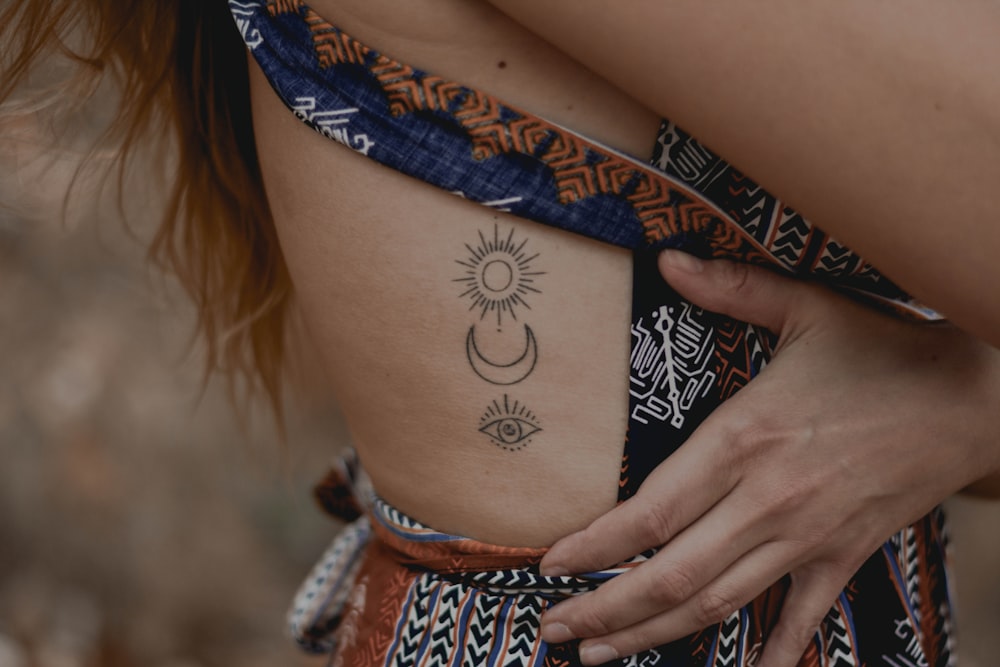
[{"x": 141, "y": 521}]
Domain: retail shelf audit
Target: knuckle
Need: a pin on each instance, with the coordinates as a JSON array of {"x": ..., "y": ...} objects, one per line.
[
  {"x": 736, "y": 277},
  {"x": 788, "y": 495},
  {"x": 673, "y": 585},
  {"x": 748, "y": 438},
  {"x": 656, "y": 524},
  {"x": 713, "y": 607},
  {"x": 794, "y": 635}
]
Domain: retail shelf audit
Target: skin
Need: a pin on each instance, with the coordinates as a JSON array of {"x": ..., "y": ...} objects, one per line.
[
  {"x": 374, "y": 255},
  {"x": 806, "y": 471},
  {"x": 880, "y": 121},
  {"x": 809, "y": 76},
  {"x": 398, "y": 368}
]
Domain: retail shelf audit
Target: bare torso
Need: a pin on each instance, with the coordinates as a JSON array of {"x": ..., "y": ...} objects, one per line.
[{"x": 378, "y": 261}]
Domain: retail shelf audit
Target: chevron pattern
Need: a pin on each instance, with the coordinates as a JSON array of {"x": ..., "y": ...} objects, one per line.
[
  {"x": 445, "y": 623},
  {"x": 727, "y": 642},
  {"x": 517, "y": 582},
  {"x": 740, "y": 354},
  {"x": 420, "y": 597},
  {"x": 837, "y": 639},
  {"x": 909, "y": 565},
  {"x": 276, "y": 7}
]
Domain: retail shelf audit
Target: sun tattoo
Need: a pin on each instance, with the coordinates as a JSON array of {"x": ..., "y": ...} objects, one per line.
[
  {"x": 498, "y": 276},
  {"x": 509, "y": 427}
]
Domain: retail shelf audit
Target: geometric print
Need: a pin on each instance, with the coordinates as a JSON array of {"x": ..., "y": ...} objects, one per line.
[
  {"x": 444, "y": 623},
  {"x": 420, "y": 597},
  {"x": 780, "y": 233},
  {"x": 394, "y": 592},
  {"x": 319, "y": 602},
  {"x": 688, "y": 198},
  {"x": 670, "y": 363}
]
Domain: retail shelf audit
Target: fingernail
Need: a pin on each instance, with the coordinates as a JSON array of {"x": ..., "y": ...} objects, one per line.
[
  {"x": 597, "y": 654},
  {"x": 682, "y": 261},
  {"x": 556, "y": 633}
]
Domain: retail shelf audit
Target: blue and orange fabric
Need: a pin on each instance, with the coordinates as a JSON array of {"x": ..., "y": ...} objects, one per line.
[{"x": 393, "y": 592}]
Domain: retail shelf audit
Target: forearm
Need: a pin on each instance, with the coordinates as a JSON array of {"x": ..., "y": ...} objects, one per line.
[{"x": 879, "y": 121}]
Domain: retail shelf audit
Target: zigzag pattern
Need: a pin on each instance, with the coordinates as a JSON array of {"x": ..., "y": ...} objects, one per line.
[
  {"x": 320, "y": 601},
  {"x": 623, "y": 475},
  {"x": 909, "y": 565},
  {"x": 935, "y": 623},
  {"x": 518, "y": 581},
  {"x": 462, "y": 616},
  {"x": 836, "y": 260},
  {"x": 443, "y": 640},
  {"x": 790, "y": 239},
  {"x": 483, "y": 626},
  {"x": 445, "y": 623},
  {"x": 580, "y": 169},
  {"x": 759, "y": 210},
  {"x": 276, "y": 7},
  {"x": 939, "y": 535},
  {"x": 524, "y": 645},
  {"x": 739, "y": 355},
  {"x": 838, "y": 643},
  {"x": 401, "y": 523},
  {"x": 332, "y": 46},
  {"x": 727, "y": 642},
  {"x": 412, "y": 624}
]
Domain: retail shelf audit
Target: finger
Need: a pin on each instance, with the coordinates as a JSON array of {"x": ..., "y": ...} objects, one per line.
[
  {"x": 808, "y": 602},
  {"x": 714, "y": 603},
  {"x": 690, "y": 561},
  {"x": 671, "y": 498},
  {"x": 748, "y": 293}
]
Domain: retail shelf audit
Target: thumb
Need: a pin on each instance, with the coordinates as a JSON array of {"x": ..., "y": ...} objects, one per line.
[{"x": 744, "y": 292}]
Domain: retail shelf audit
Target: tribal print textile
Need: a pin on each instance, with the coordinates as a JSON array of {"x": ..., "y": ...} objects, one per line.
[
  {"x": 391, "y": 591},
  {"x": 419, "y": 597}
]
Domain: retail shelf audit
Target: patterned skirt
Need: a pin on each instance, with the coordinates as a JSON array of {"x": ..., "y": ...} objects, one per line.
[{"x": 392, "y": 591}]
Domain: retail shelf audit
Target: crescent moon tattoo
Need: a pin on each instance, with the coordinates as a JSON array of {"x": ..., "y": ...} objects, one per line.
[{"x": 503, "y": 374}]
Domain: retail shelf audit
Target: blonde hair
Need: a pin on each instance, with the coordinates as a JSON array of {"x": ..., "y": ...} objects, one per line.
[{"x": 181, "y": 67}]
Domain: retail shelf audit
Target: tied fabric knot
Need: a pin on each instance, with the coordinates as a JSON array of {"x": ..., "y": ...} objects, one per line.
[
  {"x": 345, "y": 493},
  {"x": 322, "y": 603}
]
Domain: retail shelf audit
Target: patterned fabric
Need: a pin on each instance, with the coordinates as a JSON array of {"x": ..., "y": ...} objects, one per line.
[
  {"x": 401, "y": 593},
  {"x": 392, "y": 591}
]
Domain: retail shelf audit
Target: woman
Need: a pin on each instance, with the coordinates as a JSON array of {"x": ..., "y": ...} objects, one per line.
[{"x": 452, "y": 332}]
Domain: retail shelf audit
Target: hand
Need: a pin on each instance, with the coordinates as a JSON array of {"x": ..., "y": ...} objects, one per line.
[{"x": 860, "y": 425}]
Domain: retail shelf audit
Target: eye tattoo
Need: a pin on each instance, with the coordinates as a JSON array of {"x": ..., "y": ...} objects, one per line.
[
  {"x": 509, "y": 427},
  {"x": 498, "y": 276}
]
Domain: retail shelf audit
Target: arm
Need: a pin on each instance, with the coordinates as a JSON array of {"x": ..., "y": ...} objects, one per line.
[
  {"x": 859, "y": 425},
  {"x": 879, "y": 121}
]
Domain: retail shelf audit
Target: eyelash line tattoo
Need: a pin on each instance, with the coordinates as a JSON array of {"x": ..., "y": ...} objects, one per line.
[{"x": 509, "y": 427}]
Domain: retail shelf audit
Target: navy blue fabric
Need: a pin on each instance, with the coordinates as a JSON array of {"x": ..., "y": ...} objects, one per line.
[{"x": 684, "y": 361}]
